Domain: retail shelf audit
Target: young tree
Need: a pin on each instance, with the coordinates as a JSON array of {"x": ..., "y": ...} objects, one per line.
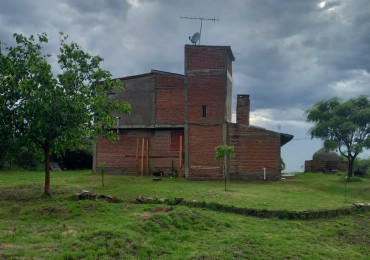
[
  {"x": 282, "y": 164},
  {"x": 342, "y": 125},
  {"x": 223, "y": 152},
  {"x": 53, "y": 113}
]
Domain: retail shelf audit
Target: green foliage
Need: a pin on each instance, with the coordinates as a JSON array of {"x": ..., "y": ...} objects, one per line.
[
  {"x": 354, "y": 179},
  {"x": 101, "y": 168},
  {"x": 16, "y": 155},
  {"x": 76, "y": 159},
  {"x": 223, "y": 151},
  {"x": 61, "y": 228},
  {"x": 174, "y": 172},
  {"x": 342, "y": 125},
  {"x": 55, "y": 112},
  {"x": 282, "y": 164},
  {"x": 27, "y": 159},
  {"x": 303, "y": 192},
  {"x": 362, "y": 166}
]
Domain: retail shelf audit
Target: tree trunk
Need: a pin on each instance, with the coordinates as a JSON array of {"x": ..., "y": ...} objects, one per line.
[
  {"x": 350, "y": 167},
  {"x": 224, "y": 170},
  {"x": 47, "y": 171}
]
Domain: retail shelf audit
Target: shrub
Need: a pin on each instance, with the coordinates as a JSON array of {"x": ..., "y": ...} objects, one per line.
[
  {"x": 362, "y": 167},
  {"x": 77, "y": 160},
  {"x": 27, "y": 159}
]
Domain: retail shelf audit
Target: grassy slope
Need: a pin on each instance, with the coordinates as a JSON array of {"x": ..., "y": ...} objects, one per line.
[{"x": 35, "y": 228}]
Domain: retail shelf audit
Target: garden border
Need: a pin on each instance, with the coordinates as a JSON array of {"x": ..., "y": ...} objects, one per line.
[{"x": 261, "y": 213}]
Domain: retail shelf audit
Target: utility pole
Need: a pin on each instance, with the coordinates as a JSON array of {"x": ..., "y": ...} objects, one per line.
[{"x": 201, "y": 22}]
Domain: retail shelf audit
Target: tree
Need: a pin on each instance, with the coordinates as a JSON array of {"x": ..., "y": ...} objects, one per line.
[
  {"x": 342, "y": 125},
  {"x": 282, "y": 164},
  {"x": 362, "y": 166},
  {"x": 52, "y": 113},
  {"x": 223, "y": 152}
]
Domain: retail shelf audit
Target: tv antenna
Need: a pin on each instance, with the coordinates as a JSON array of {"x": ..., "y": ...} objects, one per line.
[{"x": 196, "y": 36}]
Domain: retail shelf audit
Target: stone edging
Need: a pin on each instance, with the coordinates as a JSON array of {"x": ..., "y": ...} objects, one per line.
[{"x": 281, "y": 214}]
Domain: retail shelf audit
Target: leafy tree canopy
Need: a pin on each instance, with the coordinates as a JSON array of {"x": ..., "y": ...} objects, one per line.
[
  {"x": 342, "y": 125},
  {"x": 222, "y": 151},
  {"x": 54, "y": 112}
]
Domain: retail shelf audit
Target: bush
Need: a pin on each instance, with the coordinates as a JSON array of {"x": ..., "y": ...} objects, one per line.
[
  {"x": 27, "y": 159},
  {"x": 76, "y": 160},
  {"x": 362, "y": 167},
  {"x": 354, "y": 179}
]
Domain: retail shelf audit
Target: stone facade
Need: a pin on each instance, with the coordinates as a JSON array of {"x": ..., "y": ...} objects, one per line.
[{"x": 191, "y": 112}]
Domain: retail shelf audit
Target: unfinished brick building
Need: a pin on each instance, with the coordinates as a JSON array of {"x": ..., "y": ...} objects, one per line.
[
  {"x": 325, "y": 161},
  {"x": 178, "y": 120}
]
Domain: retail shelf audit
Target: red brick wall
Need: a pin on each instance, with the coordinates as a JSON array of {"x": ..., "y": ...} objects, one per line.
[
  {"x": 120, "y": 156},
  {"x": 199, "y": 57},
  {"x": 203, "y": 140},
  {"x": 255, "y": 149},
  {"x": 170, "y": 99},
  {"x": 206, "y": 83},
  {"x": 322, "y": 166},
  {"x": 209, "y": 91},
  {"x": 242, "y": 109},
  {"x": 163, "y": 155}
]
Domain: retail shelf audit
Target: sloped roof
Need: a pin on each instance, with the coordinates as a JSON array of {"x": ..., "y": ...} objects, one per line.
[
  {"x": 151, "y": 73},
  {"x": 285, "y": 138}
]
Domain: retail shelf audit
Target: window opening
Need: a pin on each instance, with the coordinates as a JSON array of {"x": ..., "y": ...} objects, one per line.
[{"x": 204, "y": 110}]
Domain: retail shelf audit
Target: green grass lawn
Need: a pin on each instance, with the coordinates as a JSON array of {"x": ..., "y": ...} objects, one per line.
[{"x": 32, "y": 227}]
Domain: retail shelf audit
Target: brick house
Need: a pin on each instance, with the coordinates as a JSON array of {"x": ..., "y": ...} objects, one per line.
[
  {"x": 177, "y": 121},
  {"x": 325, "y": 161}
]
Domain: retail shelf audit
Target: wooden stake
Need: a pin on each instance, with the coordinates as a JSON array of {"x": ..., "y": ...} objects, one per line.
[
  {"x": 180, "y": 158},
  {"x": 147, "y": 157},
  {"x": 142, "y": 157},
  {"x": 137, "y": 156}
]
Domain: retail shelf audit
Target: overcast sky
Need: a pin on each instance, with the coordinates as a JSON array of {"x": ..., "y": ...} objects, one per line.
[{"x": 289, "y": 54}]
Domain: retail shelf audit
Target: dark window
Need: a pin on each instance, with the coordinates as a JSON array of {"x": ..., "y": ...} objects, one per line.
[{"x": 204, "y": 110}]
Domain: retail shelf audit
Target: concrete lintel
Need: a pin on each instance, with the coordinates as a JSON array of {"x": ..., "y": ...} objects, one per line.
[
  {"x": 149, "y": 126},
  {"x": 207, "y": 123},
  {"x": 206, "y": 72}
]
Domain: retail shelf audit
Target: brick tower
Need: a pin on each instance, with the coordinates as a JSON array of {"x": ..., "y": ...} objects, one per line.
[{"x": 208, "y": 94}]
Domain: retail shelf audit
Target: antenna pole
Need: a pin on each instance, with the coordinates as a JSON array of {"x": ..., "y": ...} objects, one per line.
[
  {"x": 201, "y": 22},
  {"x": 200, "y": 31}
]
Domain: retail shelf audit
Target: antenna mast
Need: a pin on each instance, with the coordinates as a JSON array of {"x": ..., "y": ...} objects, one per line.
[{"x": 201, "y": 22}]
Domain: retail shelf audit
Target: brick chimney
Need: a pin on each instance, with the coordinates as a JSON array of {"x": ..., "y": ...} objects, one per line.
[{"x": 242, "y": 109}]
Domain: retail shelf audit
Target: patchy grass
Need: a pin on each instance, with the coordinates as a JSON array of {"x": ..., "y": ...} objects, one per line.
[{"x": 61, "y": 228}]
